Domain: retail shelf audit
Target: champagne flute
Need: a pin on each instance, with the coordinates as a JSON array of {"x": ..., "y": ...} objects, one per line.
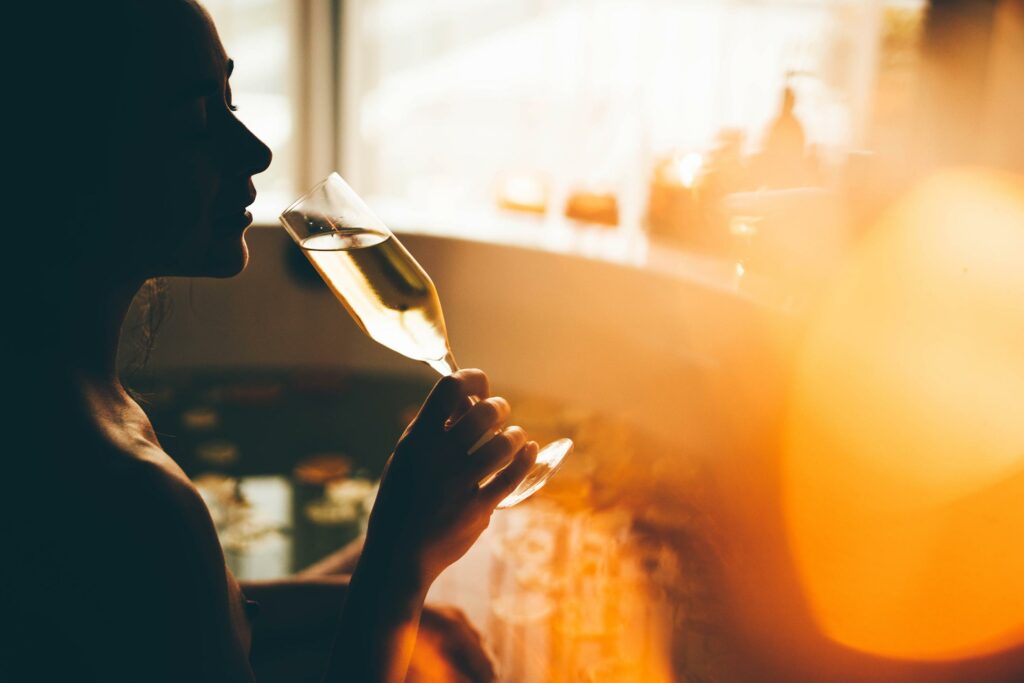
[{"x": 387, "y": 292}]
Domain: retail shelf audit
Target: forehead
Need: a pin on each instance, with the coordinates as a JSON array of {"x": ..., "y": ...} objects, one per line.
[{"x": 175, "y": 44}]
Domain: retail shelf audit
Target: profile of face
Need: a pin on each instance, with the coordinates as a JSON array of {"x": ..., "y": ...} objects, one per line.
[{"x": 180, "y": 163}]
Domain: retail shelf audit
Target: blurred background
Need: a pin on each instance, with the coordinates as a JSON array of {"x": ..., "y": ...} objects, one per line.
[{"x": 761, "y": 259}]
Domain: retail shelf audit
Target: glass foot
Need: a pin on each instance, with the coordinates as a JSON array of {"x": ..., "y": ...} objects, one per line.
[{"x": 548, "y": 460}]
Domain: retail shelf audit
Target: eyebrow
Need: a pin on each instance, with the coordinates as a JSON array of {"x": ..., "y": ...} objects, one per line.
[{"x": 205, "y": 87}]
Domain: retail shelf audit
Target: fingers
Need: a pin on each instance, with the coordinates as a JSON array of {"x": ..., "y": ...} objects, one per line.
[
  {"x": 495, "y": 454},
  {"x": 463, "y": 408},
  {"x": 449, "y": 393},
  {"x": 485, "y": 417},
  {"x": 506, "y": 481}
]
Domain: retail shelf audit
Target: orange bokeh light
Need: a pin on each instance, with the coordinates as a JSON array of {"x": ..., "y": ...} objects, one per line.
[{"x": 903, "y": 470}]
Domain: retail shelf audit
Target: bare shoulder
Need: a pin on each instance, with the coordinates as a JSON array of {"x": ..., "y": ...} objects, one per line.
[
  {"x": 160, "y": 530},
  {"x": 154, "y": 490},
  {"x": 127, "y": 556}
]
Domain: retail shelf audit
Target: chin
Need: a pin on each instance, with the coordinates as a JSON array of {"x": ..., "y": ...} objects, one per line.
[
  {"x": 221, "y": 255},
  {"x": 225, "y": 258}
]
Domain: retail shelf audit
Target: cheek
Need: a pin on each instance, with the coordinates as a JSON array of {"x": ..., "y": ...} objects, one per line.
[
  {"x": 188, "y": 185},
  {"x": 161, "y": 206},
  {"x": 174, "y": 199}
]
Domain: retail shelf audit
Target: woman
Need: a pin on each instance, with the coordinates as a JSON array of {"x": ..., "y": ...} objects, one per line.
[{"x": 114, "y": 572}]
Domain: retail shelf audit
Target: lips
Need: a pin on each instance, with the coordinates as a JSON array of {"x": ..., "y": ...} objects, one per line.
[
  {"x": 236, "y": 216},
  {"x": 238, "y": 220}
]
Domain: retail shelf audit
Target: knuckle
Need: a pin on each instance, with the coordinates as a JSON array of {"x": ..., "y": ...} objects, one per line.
[
  {"x": 481, "y": 378},
  {"x": 514, "y": 435},
  {"x": 449, "y": 383},
  {"x": 504, "y": 441},
  {"x": 470, "y": 374},
  {"x": 489, "y": 410}
]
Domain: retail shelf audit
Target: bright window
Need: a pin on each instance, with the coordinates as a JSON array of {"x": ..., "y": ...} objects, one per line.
[
  {"x": 445, "y": 98},
  {"x": 257, "y": 34}
]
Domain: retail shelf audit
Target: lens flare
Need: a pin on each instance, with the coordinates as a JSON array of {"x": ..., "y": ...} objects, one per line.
[{"x": 904, "y": 448}]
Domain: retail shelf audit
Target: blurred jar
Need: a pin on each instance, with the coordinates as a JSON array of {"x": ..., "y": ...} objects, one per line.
[
  {"x": 320, "y": 528},
  {"x": 523, "y": 191},
  {"x": 686, "y": 190},
  {"x": 593, "y": 205},
  {"x": 673, "y": 208}
]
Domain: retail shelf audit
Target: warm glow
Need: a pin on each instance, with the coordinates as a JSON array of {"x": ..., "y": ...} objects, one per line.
[
  {"x": 429, "y": 660},
  {"x": 686, "y": 168},
  {"x": 904, "y": 470},
  {"x": 523, "y": 192},
  {"x": 744, "y": 226}
]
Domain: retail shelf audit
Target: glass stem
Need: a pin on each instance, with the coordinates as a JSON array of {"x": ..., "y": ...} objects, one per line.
[{"x": 444, "y": 366}]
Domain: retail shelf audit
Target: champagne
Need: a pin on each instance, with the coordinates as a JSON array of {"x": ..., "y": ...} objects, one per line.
[{"x": 387, "y": 293}]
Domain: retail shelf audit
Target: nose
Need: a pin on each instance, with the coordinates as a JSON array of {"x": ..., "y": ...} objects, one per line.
[{"x": 253, "y": 155}]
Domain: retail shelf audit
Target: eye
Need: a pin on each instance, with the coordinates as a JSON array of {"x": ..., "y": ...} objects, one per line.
[{"x": 229, "y": 100}]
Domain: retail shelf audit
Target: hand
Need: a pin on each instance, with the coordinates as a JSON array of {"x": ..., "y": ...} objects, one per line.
[
  {"x": 449, "y": 648},
  {"x": 430, "y": 507}
]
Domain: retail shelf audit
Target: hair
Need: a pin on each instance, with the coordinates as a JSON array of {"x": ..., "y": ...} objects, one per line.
[
  {"x": 74, "y": 66},
  {"x": 151, "y": 307}
]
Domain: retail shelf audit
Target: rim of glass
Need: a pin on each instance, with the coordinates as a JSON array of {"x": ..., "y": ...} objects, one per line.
[{"x": 306, "y": 195}]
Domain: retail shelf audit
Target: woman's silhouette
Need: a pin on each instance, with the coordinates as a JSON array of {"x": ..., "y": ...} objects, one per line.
[{"x": 132, "y": 165}]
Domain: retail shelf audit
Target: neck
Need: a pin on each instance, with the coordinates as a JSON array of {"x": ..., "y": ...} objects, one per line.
[{"x": 88, "y": 335}]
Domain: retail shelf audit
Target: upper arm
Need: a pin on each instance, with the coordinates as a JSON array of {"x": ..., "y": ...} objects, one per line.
[{"x": 163, "y": 604}]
